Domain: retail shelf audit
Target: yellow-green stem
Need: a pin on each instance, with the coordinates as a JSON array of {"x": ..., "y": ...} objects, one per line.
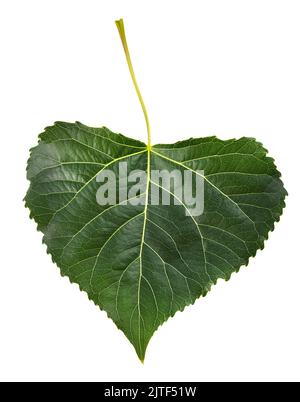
[{"x": 121, "y": 29}]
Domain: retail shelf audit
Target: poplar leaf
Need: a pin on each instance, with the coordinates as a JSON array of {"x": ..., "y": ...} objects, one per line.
[{"x": 143, "y": 263}]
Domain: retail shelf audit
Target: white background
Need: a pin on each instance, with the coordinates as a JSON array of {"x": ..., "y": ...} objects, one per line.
[{"x": 230, "y": 68}]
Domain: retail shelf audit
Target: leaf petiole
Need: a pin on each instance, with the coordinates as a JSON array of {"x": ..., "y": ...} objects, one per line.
[{"x": 121, "y": 29}]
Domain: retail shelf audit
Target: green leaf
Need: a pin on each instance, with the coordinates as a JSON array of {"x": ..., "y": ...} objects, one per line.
[{"x": 143, "y": 263}]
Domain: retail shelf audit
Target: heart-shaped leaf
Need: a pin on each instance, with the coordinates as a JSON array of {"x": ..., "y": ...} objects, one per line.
[
  {"x": 139, "y": 258},
  {"x": 142, "y": 263}
]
